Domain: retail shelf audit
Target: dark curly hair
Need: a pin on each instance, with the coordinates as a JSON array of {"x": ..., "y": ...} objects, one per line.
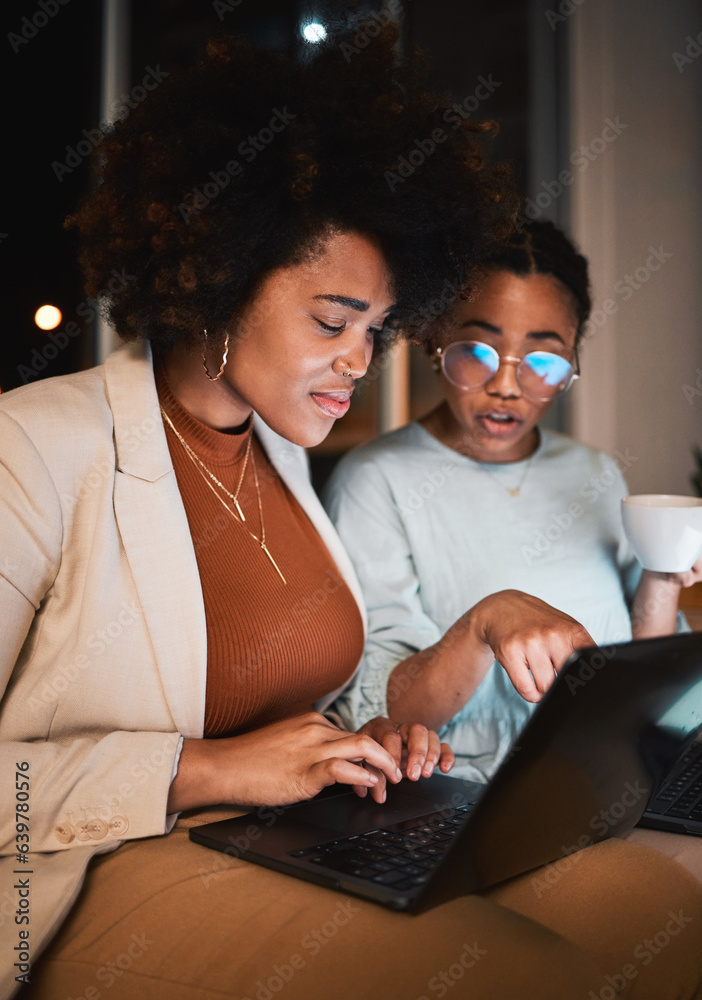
[
  {"x": 248, "y": 160},
  {"x": 542, "y": 248}
]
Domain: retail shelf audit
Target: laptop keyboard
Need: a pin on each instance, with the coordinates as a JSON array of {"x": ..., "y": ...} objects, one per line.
[
  {"x": 682, "y": 797},
  {"x": 401, "y": 856}
]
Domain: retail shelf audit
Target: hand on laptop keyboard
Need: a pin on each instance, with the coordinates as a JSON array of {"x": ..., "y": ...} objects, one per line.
[{"x": 415, "y": 749}]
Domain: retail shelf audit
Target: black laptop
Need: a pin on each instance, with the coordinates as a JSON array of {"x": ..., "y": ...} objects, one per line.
[{"x": 617, "y": 722}]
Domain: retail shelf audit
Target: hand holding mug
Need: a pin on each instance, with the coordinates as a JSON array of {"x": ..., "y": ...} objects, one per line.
[{"x": 686, "y": 579}]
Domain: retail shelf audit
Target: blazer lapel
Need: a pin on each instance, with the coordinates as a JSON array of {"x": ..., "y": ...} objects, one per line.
[{"x": 156, "y": 537}]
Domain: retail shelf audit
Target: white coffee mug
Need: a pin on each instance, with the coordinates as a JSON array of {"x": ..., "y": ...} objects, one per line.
[{"x": 665, "y": 531}]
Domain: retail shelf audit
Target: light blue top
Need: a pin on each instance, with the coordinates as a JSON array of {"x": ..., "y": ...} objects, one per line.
[{"x": 431, "y": 532}]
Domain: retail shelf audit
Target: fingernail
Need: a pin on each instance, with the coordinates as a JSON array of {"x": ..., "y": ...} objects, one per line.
[
  {"x": 373, "y": 778},
  {"x": 398, "y": 774},
  {"x": 414, "y": 772},
  {"x": 383, "y": 796}
]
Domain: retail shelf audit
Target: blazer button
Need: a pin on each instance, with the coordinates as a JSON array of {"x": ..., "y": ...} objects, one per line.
[
  {"x": 97, "y": 828},
  {"x": 82, "y": 832},
  {"x": 119, "y": 826},
  {"x": 64, "y": 833}
]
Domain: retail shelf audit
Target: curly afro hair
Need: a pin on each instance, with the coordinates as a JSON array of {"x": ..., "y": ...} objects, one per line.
[
  {"x": 542, "y": 248},
  {"x": 246, "y": 161}
]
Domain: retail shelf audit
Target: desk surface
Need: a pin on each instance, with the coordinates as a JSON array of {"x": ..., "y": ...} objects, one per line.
[{"x": 691, "y": 604}]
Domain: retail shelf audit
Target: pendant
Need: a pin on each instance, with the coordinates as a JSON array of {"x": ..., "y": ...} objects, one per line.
[
  {"x": 273, "y": 562},
  {"x": 238, "y": 508}
]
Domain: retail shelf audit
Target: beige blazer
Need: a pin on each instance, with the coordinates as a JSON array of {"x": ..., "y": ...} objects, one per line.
[{"x": 102, "y": 626}]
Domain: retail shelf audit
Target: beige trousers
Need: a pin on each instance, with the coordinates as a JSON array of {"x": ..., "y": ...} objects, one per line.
[{"x": 166, "y": 919}]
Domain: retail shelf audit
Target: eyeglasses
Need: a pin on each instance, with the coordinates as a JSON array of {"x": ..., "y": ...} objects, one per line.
[{"x": 470, "y": 364}]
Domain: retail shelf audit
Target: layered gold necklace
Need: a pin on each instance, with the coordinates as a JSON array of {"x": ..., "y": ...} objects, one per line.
[{"x": 210, "y": 479}]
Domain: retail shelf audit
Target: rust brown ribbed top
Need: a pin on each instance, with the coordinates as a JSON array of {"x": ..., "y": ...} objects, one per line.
[{"x": 272, "y": 648}]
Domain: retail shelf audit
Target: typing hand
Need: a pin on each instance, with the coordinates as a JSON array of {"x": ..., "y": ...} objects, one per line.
[
  {"x": 281, "y": 763},
  {"x": 415, "y": 749}
]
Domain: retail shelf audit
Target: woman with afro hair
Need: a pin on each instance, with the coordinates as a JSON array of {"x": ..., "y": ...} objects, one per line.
[{"x": 177, "y": 611}]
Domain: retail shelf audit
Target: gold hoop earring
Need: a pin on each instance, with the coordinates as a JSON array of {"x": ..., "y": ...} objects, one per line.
[{"x": 213, "y": 378}]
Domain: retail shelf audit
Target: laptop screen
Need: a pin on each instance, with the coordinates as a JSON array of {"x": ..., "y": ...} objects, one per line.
[{"x": 685, "y": 715}]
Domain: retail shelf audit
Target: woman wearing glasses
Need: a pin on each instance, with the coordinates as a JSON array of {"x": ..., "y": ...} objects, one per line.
[{"x": 463, "y": 524}]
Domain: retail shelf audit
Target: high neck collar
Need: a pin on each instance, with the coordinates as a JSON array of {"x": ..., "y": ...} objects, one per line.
[{"x": 212, "y": 446}]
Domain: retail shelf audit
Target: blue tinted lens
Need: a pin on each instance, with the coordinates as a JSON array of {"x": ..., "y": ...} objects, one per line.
[
  {"x": 470, "y": 364},
  {"x": 485, "y": 354},
  {"x": 542, "y": 371}
]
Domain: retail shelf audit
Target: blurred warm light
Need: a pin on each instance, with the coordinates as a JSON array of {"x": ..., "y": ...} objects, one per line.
[
  {"x": 314, "y": 32},
  {"x": 47, "y": 317}
]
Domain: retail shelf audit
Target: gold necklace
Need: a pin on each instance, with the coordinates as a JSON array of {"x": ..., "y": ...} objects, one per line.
[
  {"x": 513, "y": 491},
  {"x": 234, "y": 497},
  {"x": 202, "y": 469}
]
